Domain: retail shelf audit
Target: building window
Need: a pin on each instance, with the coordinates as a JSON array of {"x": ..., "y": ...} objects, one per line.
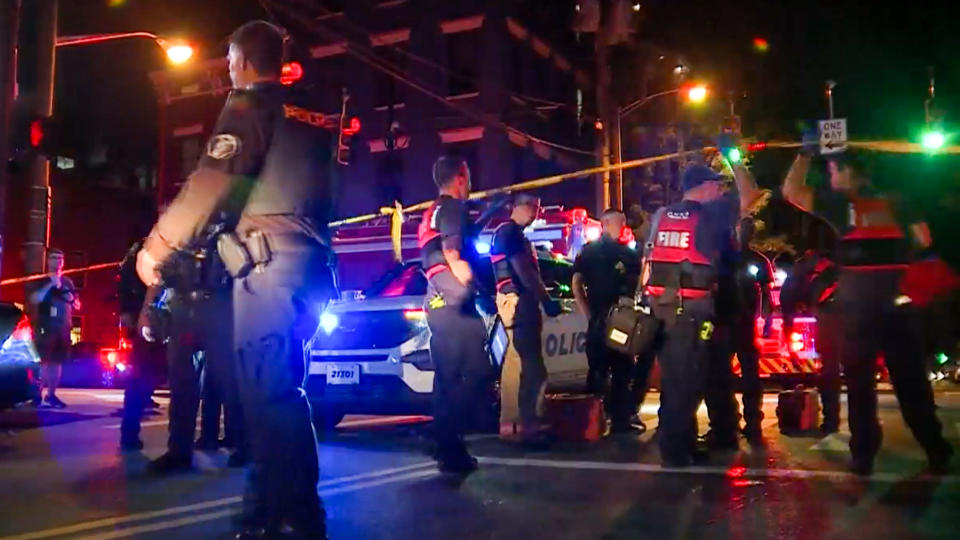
[
  {"x": 386, "y": 89},
  {"x": 189, "y": 155},
  {"x": 463, "y": 57},
  {"x": 76, "y": 329},
  {"x": 77, "y": 259}
]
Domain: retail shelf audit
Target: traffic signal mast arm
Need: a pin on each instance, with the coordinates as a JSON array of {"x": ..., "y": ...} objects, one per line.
[{"x": 795, "y": 188}]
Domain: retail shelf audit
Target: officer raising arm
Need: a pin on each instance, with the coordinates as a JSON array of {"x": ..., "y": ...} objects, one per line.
[{"x": 267, "y": 167}]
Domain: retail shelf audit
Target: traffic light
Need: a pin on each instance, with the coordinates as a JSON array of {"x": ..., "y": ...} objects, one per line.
[
  {"x": 348, "y": 128},
  {"x": 39, "y": 135},
  {"x": 933, "y": 139},
  {"x": 733, "y": 155}
]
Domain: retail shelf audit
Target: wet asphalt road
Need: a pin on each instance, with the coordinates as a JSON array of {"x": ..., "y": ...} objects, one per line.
[{"x": 68, "y": 481}]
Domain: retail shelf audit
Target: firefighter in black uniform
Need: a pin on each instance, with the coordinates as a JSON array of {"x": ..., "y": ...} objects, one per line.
[
  {"x": 754, "y": 273},
  {"x": 267, "y": 166},
  {"x": 457, "y": 332},
  {"x": 520, "y": 293},
  {"x": 199, "y": 300},
  {"x": 604, "y": 271},
  {"x": 873, "y": 254},
  {"x": 690, "y": 251}
]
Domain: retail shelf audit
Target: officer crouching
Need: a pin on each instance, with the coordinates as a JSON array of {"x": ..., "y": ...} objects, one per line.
[
  {"x": 690, "y": 246},
  {"x": 520, "y": 292},
  {"x": 605, "y": 271}
]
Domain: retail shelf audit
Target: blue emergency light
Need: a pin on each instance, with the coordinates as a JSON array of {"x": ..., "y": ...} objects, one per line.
[{"x": 329, "y": 322}]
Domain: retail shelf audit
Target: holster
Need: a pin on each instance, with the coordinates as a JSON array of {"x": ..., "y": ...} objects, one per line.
[{"x": 239, "y": 257}]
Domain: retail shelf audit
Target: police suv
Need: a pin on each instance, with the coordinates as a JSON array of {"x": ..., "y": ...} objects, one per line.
[{"x": 371, "y": 354}]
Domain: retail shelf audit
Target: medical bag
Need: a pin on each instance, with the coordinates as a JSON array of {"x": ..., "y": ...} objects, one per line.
[
  {"x": 798, "y": 410},
  {"x": 576, "y": 417},
  {"x": 630, "y": 329}
]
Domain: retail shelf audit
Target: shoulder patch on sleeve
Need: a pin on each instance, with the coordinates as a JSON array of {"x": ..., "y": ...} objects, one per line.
[{"x": 223, "y": 146}]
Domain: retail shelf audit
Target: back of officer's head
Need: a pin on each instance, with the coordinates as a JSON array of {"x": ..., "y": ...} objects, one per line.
[
  {"x": 452, "y": 175},
  {"x": 256, "y": 51},
  {"x": 701, "y": 183},
  {"x": 613, "y": 222}
]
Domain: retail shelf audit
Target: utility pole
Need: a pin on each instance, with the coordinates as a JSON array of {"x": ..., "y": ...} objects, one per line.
[
  {"x": 9, "y": 31},
  {"x": 604, "y": 83},
  {"x": 45, "y": 40}
]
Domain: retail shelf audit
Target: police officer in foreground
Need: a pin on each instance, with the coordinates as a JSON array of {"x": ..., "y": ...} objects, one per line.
[
  {"x": 873, "y": 254},
  {"x": 199, "y": 300},
  {"x": 754, "y": 274},
  {"x": 520, "y": 293},
  {"x": 689, "y": 252},
  {"x": 267, "y": 166},
  {"x": 605, "y": 271},
  {"x": 457, "y": 332}
]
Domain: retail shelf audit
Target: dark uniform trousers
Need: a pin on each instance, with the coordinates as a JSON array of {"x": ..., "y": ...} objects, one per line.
[
  {"x": 275, "y": 311},
  {"x": 147, "y": 373},
  {"x": 828, "y": 336},
  {"x": 200, "y": 324},
  {"x": 609, "y": 373},
  {"x": 462, "y": 374},
  {"x": 694, "y": 365},
  {"x": 744, "y": 337},
  {"x": 872, "y": 325}
]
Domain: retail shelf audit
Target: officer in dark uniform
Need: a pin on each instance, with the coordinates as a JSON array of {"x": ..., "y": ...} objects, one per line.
[
  {"x": 147, "y": 357},
  {"x": 520, "y": 293},
  {"x": 457, "y": 332},
  {"x": 268, "y": 167},
  {"x": 753, "y": 277},
  {"x": 605, "y": 271},
  {"x": 200, "y": 338},
  {"x": 690, "y": 252},
  {"x": 873, "y": 254},
  {"x": 810, "y": 288}
]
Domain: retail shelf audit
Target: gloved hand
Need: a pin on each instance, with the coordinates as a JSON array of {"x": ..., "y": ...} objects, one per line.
[
  {"x": 811, "y": 142},
  {"x": 552, "y": 307}
]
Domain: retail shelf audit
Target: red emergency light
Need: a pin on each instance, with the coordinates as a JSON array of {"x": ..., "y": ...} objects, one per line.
[
  {"x": 353, "y": 128},
  {"x": 36, "y": 133},
  {"x": 578, "y": 214},
  {"x": 627, "y": 236},
  {"x": 291, "y": 73}
]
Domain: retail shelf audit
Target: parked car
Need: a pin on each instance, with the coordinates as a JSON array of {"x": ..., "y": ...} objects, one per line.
[{"x": 19, "y": 362}]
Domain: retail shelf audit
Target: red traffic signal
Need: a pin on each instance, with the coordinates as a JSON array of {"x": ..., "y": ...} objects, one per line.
[
  {"x": 291, "y": 73},
  {"x": 757, "y": 146},
  {"x": 36, "y": 133},
  {"x": 353, "y": 128}
]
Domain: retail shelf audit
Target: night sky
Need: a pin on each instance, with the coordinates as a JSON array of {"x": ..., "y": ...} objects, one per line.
[{"x": 878, "y": 53}]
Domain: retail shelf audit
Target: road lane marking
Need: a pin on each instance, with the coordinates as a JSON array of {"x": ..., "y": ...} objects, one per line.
[
  {"x": 835, "y": 442},
  {"x": 206, "y": 505},
  {"x": 795, "y": 474},
  {"x": 199, "y": 518}
]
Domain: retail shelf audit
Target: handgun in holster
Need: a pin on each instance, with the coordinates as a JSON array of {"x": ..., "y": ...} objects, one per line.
[{"x": 239, "y": 257}]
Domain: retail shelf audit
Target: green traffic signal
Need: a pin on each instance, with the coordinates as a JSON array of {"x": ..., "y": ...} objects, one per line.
[
  {"x": 933, "y": 140},
  {"x": 734, "y": 155},
  {"x": 942, "y": 358}
]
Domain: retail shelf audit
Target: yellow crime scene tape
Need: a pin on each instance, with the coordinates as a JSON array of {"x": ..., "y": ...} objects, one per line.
[{"x": 397, "y": 212}]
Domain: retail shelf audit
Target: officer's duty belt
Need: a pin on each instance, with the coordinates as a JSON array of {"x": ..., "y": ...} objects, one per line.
[{"x": 668, "y": 275}]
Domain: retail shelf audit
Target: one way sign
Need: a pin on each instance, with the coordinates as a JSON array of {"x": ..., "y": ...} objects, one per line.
[{"x": 833, "y": 136}]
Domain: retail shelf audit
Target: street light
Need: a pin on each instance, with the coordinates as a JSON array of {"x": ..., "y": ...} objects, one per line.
[
  {"x": 697, "y": 94},
  {"x": 178, "y": 52}
]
